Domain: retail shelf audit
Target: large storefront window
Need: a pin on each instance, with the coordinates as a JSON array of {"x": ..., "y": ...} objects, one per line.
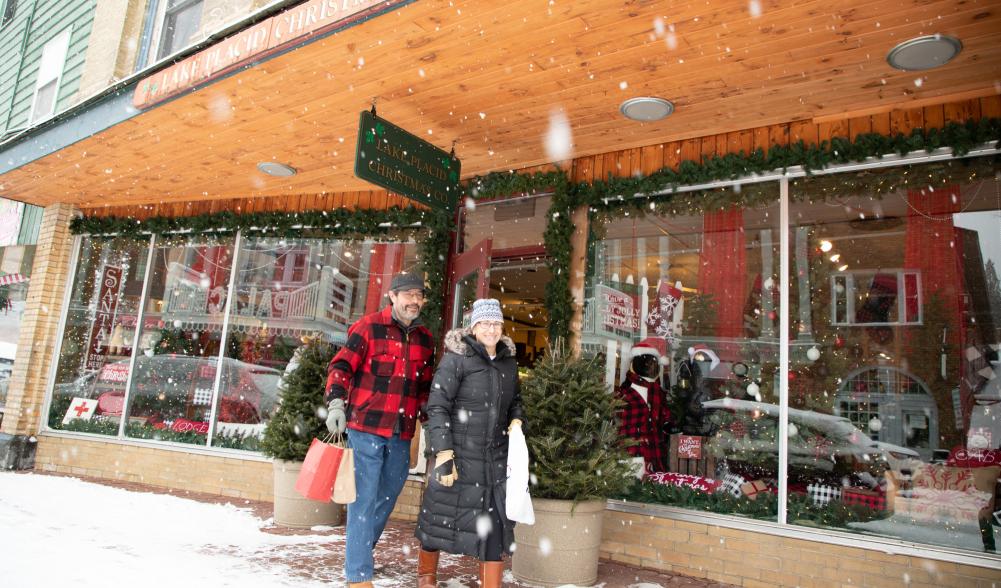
[
  {"x": 287, "y": 291},
  {"x": 684, "y": 310},
  {"x": 178, "y": 350},
  {"x": 194, "y": 366},
  {"x": 96, "y": 347},
  {"x": 896, "y": 325}
]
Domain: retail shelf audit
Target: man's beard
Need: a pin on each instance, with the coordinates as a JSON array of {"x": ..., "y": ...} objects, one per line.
[{"x": 410, "y": 312}]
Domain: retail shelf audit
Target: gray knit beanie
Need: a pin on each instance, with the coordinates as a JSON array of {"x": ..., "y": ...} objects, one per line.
[{"x": 486, "y": 309}]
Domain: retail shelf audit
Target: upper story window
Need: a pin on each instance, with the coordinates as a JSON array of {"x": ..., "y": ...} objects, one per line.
[
  {"x": 181, "y": 19},
  {"x": 9, "y": 10},
  {"x": 876, "y": 297},
  {"x": 50, "y": 73}
]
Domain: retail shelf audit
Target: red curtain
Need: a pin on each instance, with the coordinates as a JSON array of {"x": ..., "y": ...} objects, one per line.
[
  {"x": 386, "y": 262},
  {"x": 723, "y": 268}
]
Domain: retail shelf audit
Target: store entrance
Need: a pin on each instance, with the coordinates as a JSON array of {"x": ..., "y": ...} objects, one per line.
[
  {"x": 519, "y": 282},
  {"x": 515, "y": 277}
]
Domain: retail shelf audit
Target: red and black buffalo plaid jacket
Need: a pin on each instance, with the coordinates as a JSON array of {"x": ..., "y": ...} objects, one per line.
[
  {"x": 643, "y": 421},
  {"x": 384, "y": 372}
]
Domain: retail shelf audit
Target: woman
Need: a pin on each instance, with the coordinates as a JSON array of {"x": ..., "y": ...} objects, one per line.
[{"x": 474, "y": 402}]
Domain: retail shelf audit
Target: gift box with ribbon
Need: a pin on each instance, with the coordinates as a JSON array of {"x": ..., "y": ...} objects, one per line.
[{"x": 753, "y": 488}]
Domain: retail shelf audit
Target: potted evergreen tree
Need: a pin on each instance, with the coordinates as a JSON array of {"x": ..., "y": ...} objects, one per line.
[
  {"x": 576, "y": 462},
  {"x": 291, "y": 430}
]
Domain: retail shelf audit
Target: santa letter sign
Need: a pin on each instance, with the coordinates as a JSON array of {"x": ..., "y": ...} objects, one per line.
[
  {"x": 107, "y": 304},
  {"x": 689, "y": 447}
]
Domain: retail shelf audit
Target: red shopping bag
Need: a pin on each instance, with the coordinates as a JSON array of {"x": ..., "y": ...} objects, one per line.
[{"x": 316, "y": 478}]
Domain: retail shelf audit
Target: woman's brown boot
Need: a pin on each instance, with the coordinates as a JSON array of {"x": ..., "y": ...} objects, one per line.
[
  {"x": 427, "y": 569},
  {"x": 491, "y": 573}
]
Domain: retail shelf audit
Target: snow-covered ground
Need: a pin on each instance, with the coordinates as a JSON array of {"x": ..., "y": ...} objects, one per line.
[
  {"x": 66, "y": 532},
  {"x": 62, "y": 531}
]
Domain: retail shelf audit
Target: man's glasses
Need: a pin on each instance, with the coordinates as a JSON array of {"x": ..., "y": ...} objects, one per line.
[{"x": 415, "y": 295}]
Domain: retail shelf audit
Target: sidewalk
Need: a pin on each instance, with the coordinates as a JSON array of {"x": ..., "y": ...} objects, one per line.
[{"x": 319, "y": 560}]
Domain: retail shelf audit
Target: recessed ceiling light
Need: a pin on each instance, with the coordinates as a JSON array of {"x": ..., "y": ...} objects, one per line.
[
  {"x": 924, "y": 52},
  {"x": 646, "y": 108},
  {"x": 273, "y": 168}
]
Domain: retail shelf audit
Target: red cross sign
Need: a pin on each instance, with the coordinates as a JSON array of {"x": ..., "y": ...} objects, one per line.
[{"x": 80, "y": 408}]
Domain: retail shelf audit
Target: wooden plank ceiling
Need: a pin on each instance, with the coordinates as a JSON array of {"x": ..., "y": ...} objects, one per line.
[{"x": 490, "y": 75}]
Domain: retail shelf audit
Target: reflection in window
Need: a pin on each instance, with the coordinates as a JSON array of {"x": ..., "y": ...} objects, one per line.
[
  {"x": 181, "y": 20},
  {"x": 684, "y": 311},
  {"x": 171, "y": 393},
  {"x": 901, "y": 360},
  {"x": 286, "y": 292},
  {"x": 93, "y": 365},
  {"x": 876, "y": 298}
]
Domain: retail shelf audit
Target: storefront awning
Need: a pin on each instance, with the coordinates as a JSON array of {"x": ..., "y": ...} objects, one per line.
[{"x": 13, "y": 279}]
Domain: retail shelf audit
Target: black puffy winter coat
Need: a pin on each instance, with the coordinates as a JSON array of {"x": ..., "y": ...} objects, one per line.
[{"x": 472, "y": 403}]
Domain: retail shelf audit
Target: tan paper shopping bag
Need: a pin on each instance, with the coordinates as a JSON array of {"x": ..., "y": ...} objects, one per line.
[{"x": 344, "y": 484}]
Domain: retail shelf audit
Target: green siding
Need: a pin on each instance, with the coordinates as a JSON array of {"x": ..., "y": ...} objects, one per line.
[
  {"x": 50, "y": 18},
  {"x": 31, "y": 223}
]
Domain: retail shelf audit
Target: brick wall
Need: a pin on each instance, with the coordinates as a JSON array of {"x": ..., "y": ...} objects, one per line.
[
  {"x": 408, "y": 505},
  {"x": 40, "y": 322},
  {"x": 758, "y": 560},
  {"x": 213, "y": 474},
  {"x": 226, "y": 476}
]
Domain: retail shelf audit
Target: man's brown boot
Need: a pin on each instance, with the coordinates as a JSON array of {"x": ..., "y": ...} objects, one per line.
[
  {"x": 427, "y": 569},
  {"x": 365, "y": 584},
  {"x": 491, "y": 573}
]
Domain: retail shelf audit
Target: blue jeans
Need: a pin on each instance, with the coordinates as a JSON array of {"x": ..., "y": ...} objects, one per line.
[{"x": 381, "y": 466}]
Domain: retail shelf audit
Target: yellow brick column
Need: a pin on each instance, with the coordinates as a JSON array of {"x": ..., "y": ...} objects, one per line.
[{"x": 37, "y": 339}]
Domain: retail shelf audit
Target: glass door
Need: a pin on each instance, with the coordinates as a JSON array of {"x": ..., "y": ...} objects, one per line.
[{"x": 470, "y": 280}]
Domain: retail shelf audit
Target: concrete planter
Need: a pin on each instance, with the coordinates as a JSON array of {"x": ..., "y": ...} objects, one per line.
[
  {"x": 561, "y": 547},
  {"x": 292, "y": 510}
]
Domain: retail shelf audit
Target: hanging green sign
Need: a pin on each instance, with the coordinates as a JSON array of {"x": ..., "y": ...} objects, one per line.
[{"x": 406, "y": 164}]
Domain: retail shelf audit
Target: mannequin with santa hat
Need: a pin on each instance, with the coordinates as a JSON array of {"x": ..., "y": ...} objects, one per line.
[{"x": 644, "y": 415}]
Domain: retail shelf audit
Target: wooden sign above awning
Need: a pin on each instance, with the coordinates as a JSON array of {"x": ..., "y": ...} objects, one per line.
[{"x": 274, "y": 34}]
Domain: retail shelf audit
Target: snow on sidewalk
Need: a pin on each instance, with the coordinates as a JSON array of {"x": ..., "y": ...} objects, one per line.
[
  {"x": 60, "y": 530},
  {"x": 84, "y": 534}
]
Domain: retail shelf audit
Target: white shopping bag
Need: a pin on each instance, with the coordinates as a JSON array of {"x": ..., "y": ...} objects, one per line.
[{"x": 518, "y": 502}]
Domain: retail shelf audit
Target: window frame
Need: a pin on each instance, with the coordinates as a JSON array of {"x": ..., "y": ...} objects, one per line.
[
  {"x": 59, "y": 41},
  {"x": 165, "y": 12},
  {"x": 8, "y": 13},
  {"x": 846, "y": 299}
]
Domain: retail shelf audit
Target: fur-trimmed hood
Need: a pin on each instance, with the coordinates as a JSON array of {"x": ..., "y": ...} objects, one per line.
[{"x": 454, "y": 341}]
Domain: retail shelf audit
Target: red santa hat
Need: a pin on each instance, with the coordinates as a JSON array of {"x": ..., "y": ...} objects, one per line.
[
  {"x": 700, "y": 349},
  {"x": 651, "y": 346}
]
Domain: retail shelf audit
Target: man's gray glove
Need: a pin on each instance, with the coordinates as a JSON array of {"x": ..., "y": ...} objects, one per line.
[{"x": 336, "y": 421}]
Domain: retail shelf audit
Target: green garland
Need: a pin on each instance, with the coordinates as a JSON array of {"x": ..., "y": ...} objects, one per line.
[
  {"x": 606, "y": 200},
  {"x": 619, "y": 192},
  {"x": 431, "y": 229},
  {"x": 616, "y": 197}
]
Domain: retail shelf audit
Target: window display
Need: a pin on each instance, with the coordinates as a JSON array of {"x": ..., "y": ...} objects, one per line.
[
  {"x": 684, "y": 311},
  {"x": 195, "y": 366},
  {"x": 93, "y": 364},
  {"x": 288, "y": 291},
  {"x": 178, "y": 350},
  {"x": 896, "y": 326}
]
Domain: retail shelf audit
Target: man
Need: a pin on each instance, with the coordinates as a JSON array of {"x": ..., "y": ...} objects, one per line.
[{"x": 376, "y": 386}]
